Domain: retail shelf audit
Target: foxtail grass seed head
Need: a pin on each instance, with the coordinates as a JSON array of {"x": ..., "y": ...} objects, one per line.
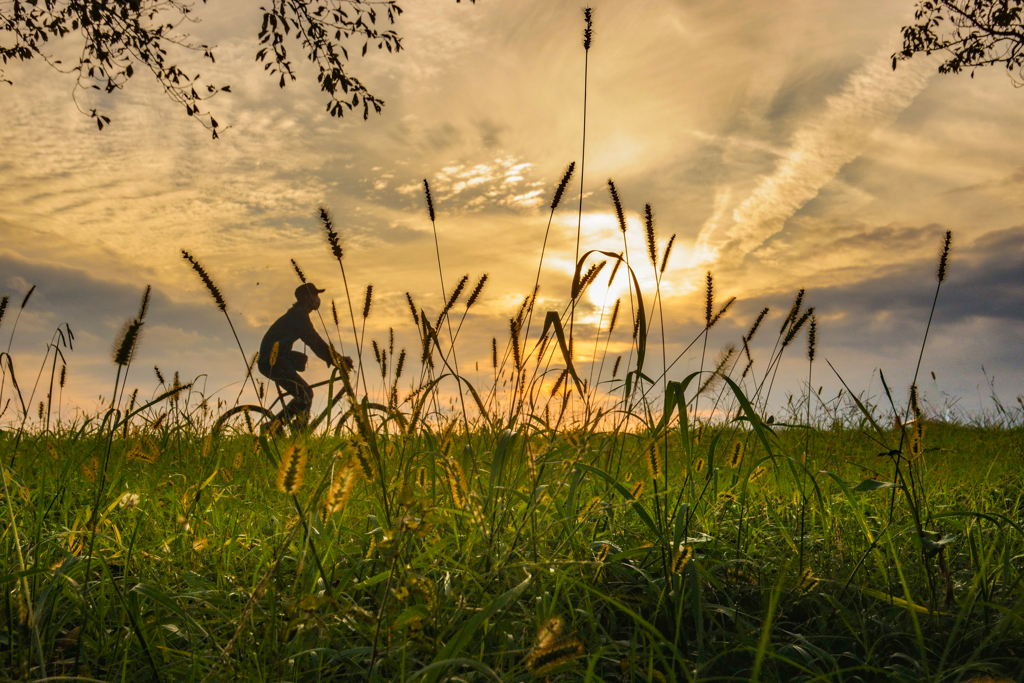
[
  {"x": 427, "y": 354},
  {"x": 412, "y": 307},
  {"x": 292, "y": 469},
  {"x": 722, "y": 311},
  {"x": 794, "y": 311},
  {"x": 456, "y": 293},
  {"x": 548, "y": 633},
  {"x": 615, "y": 367},
  {"x": 454, "y": 486},
  {"x": 3, "y": 306},
  {"x": 332, "y": 237},
  {"x": 560, "y": 190},
  {"x": 615, "y": 269},
  {"x": 475, "y": 294},
  {"x": 514, "y": 338},
  {"x": 652, "y": 236},
  {"x": 559, "y": 381},
  {"x": 591, "y": 505},
  {"x": 430, "y": 201},
  {"x": 736, "y": 456},
  {"x": 683, "y": 555},
  {"x": 362, "y": 456},
  {"x": 400, "y": 365},
  {"x": 914, "y": 408},
  {"x": 144, "y": 305},
  {"x": 376, "y": 351},
  {"x": 698, "y": 466},
  {"x": 274, "y": 351},
  {"x": 636, "y": 325},
  {"x": 218, "y": 298},
  {"x": 542, "y": 346},
  {"x": 916, "y": 440},
  {"x": 724, "y": 357},
  {"x": 615, "y": 316},
  {"x": 340, "y": 491},
  {"x": 542, "y": 662},
  {"x": 494, "y": 353},
  {"x": 617, "y": 203},
  {"x": 298, "y": 271},
  {"x": 521, "y": 313},
  {"x": 588, "y": 32},
  {"x": 812, "y": 338},
  {"x": 592, "y": 272},
  {"x": 757, "y": 323},
  {"x": 334, "y": 312},
  {"x": 808, "y": 582},
  {"x": 63, "y": 375},
  {"x": 124, "y": 349},
  {"x": 795, "y": 327},
  {"x": 940, "y": 273},
  {"x": 709, "y": 299},
  {"x": 638, "y": 488},
  {"x": 758, "y": 473},
  {"x": 28, "y": 295},
  {"x": 367, "y": 302},
  {"x": 159, "y": 375},
  {"x": 668, "y": 252},
  {"x": 655, "y": 464}
]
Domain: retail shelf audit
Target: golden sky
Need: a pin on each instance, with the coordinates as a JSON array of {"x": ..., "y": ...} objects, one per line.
[{"x": 774, "y": 139}]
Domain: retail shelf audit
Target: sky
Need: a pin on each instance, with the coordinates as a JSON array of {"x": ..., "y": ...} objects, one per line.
[{"x": 774, "y": 140}]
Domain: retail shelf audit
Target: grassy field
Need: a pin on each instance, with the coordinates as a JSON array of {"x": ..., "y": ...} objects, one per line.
[
  {"x": 734, "y": 551},
  {"x": 553, "y": 526}
]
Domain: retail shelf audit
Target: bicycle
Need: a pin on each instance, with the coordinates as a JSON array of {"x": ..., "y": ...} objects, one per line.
[{"x": 238, "y": 419}]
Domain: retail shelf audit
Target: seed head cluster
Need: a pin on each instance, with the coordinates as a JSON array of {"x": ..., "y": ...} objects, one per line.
[{"x": 218, "y": 298}]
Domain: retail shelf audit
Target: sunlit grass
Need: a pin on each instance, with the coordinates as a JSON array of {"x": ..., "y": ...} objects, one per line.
[{"x": 571, "y": 515}]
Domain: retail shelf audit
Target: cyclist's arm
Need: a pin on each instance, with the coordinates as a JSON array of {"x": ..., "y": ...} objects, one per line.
[{"x": 316, "y": 344}]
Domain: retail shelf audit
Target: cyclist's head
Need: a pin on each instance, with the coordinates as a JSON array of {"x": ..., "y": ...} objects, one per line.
[{"x": 308, "y": 295}]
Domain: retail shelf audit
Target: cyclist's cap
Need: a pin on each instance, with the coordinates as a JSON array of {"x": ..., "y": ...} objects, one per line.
[{"x": 308, "y": 289}]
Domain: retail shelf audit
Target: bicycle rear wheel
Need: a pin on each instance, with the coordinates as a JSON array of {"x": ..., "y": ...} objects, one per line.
[{"x": 244, "y": 419}]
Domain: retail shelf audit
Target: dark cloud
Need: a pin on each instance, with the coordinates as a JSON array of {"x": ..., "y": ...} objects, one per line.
[
  {"x": 443, "y": 136},
  {"x": 190, "y": 336},
  {"x": 490, "y": 133},
  {"x": 984, "y": 280}
]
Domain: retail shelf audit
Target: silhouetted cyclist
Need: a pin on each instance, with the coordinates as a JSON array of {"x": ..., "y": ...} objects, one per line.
[{"x": 283, "y": 365}]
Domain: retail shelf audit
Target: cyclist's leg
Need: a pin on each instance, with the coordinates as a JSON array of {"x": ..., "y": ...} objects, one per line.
[{"x": 292, "y": 383}]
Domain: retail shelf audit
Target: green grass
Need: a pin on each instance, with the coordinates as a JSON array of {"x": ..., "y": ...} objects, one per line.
[
  {"x": 794, "y": 574},
  {"x": 593, "y": 528}
]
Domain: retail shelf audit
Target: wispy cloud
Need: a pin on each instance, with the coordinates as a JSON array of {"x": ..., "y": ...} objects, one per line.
[{"x": 871, "y": 99}]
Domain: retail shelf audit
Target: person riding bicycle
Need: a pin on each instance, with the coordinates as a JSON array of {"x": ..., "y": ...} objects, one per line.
[{"x": 278, "y": 362}]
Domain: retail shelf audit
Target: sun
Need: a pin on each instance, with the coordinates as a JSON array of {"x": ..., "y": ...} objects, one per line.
[{"x": 603, "y": 291}]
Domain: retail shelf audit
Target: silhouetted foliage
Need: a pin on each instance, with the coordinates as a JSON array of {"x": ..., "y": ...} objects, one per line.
[
  {"x": 120, "y": 36},
  {"x": 972, "y": 33}
]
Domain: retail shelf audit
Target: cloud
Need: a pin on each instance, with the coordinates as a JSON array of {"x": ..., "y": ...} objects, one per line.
[
  {"x": 871, "y": 98},
  {"x": 763, "y": 129},
  {"x": 190, "y": 337}
]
